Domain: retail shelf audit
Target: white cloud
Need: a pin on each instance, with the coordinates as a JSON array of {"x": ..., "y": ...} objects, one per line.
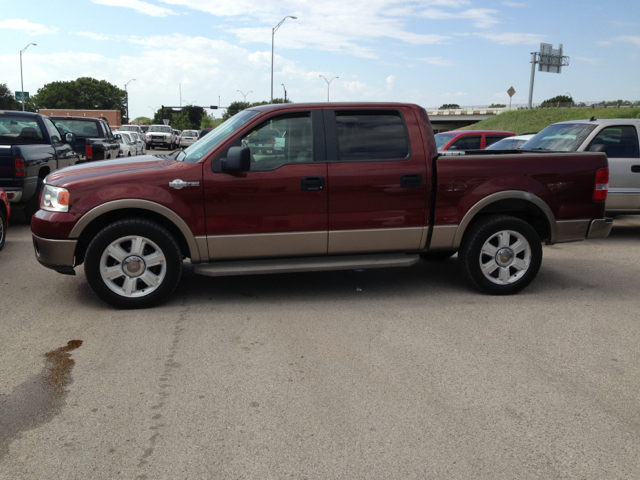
[
  {"x": 592, "y": 61},
  {"x": 482, "y": 17},
  {"x": 27, "y": 27},
  {"x": 631, "y": 39},
  {"x": 512, "y": 38},
  {"x": 137, "y": 5},
  {"x": 514, "y": 4},
  {"x": 390, "y": 80},
  {"x": 438, "y": 61},
  {"x": 92, "y": 35}
]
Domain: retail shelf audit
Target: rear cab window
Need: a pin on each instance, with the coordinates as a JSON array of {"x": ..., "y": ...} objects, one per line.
[
  {"x": 468, "y": 142},
  {"x": 79, "y": 127},
  {"x": 371, "y": 136},
  {"x": 16, "y": 129}
]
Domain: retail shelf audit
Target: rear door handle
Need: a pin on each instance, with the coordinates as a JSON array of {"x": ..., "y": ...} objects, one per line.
[
  {"x": 312, "y": 184},
  {"x": 635, "y": 168},
  {"x": 411, "y": 180}
]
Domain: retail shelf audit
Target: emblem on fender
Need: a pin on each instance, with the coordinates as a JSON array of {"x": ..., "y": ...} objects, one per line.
[{"x": 178, "y": 184}]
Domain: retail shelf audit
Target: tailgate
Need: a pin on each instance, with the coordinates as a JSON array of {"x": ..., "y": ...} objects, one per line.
[{"x": 6, "y": 166}]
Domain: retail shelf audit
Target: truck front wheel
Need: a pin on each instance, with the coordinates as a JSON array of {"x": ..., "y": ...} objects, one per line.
[
  {"x": 133, "y": 263},
  {"x": 501, "y": 255}
]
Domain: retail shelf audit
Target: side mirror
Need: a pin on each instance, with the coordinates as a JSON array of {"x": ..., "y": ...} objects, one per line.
[
  {"x": 70, "y": 137},
  {"x": 118, "y": 136},
  {"x": 598, "y": 147},
  {"x": 238, "y": 160}
]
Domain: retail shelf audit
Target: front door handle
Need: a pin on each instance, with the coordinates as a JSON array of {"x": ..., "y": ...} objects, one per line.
[
  {"x": 411, "y": 180},
  {"x": 635, "y": 168},
  {"x": 312, "y": 184}
]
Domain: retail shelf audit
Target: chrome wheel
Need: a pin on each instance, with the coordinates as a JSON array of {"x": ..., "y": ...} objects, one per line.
[
  {"x": 505, "y": 257},
  {"x": 133, "y": 266}
]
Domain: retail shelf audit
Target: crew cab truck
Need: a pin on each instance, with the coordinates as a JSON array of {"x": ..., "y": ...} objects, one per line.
[
  {"x": 618, "y": 138},
  {"x": 355, "y": 186},
  {"x": 94, "y": 139},
  {"x": 31, "y": 147}
]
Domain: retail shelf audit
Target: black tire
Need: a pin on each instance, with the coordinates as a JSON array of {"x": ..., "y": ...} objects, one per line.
[
  {"x": 514, "y": 268},
  {"x": 32, "y": 205},
  {"x": 145, "y": 295},
  {"x": 438, "y": 256},
  {"x": 3, "y": 229},
  {"x": 129, "y": 154}
]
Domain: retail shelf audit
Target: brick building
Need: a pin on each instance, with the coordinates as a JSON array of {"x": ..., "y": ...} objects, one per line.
[{"x": 111, "y": 116}]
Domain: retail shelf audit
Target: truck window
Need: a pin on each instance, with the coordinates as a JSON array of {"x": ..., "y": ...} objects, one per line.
[
  {"x": 20, "y": 128},
  {"x": 279, "y": 141},
  {"x": 491, "y": 139},
  {"x": 79, "y": 127},
  {"x": 469, "y": 142},
  {"x": 621, "y": 141},
  {"x": 374, "y": 136},
  {"x": 53, "y": 131}
]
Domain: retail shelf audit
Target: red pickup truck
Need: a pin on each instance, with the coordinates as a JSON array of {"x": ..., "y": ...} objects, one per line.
[{"x": 354, "y": 186}]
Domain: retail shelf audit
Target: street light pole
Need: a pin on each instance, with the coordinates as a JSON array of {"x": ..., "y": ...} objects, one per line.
[
  {"x": 285, "y": 92},
  {"x": 328, "y": 84},
  {"x": 273, "y": 32},
  {"x": 21, "y": 80},
  {"x": 127, "y": 94},
  {"x": 244, "y": 95}
]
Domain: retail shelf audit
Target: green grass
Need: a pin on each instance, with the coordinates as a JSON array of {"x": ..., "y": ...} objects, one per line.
[{"x": 532, "y": 121}]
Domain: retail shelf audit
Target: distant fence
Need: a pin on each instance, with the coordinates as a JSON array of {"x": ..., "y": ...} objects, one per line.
[{"x": 524, "y": 106}]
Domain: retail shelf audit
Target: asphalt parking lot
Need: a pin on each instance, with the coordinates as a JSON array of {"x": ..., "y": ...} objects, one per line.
[{"x": 394, "y": 373}]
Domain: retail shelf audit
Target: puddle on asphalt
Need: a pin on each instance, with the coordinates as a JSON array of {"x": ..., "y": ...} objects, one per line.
[{"x": 39, "y": 399}]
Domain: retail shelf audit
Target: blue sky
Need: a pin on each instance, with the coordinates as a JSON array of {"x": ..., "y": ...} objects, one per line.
[{"x": 427, "y": 52}]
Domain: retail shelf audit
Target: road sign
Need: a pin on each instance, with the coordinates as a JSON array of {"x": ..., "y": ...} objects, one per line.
[
  {"x": 165, "y": 121},
  {"x": 19, "y": 95},
  {"x": 511, "y": 92}
]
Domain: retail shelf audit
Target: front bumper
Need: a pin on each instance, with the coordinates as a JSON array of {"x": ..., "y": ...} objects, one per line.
[
  {"x": 13, "y": 195},
  {"x": 58, "y": 255}
]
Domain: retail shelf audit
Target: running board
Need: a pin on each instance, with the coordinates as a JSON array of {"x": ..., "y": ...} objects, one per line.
[{"x": 308, "y": 264}]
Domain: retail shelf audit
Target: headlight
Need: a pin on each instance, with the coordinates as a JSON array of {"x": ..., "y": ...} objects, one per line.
[{"x": 55, "y": 199}]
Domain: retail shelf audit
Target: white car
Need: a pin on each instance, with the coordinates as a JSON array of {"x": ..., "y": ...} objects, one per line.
[
  {"x": 132, "y": 128},
  {"x": 160, "y": 136},
  {"x": 135, "y": 147},
  {"x": 188, "y": 137},
  {"x": 510, "y": 143},
  {"x": 142, "y": 147},
  {"x": 127, "y": 147}
]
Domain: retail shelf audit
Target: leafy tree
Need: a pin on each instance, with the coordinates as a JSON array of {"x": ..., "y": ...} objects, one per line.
[
  {"x": 181, "y": 121},
  {"x": 497, "y": 105},
  {"x": 84, "y": 93},
  {"x": 195, "y": 115},
  {"x": 207, "y": 122},
  {"x": 7, "y": 100},
  {"x": 168, "y": 113},
  {"x": 448, "y": 106},
  {"x": 235, "y": 107},
  {"x": 560, "y": 99},
  {"x": 143, "y": 120}
]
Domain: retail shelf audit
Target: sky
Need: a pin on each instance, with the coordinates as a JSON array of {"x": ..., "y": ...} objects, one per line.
[{"x": 428, "y": 52}]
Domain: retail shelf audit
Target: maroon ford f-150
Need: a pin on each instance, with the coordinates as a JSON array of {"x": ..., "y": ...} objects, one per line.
[{"x": 353, "y": 186}]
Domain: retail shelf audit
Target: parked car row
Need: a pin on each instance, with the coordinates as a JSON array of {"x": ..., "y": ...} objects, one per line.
[{"x": 131, "y": 143}]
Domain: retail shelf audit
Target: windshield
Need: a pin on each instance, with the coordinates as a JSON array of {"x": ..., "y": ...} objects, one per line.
[
  {"x": 215, "y": 137},
  {"x": 506, "y": 144},
  {"x": 565, "y": 137},
  {"x": 160, "y": 128},
  {"x": 442, "y": 139}
]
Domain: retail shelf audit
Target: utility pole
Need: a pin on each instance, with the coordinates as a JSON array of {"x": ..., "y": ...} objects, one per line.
[
  {"x": 285, "y": 92},
  {"x": 273, "y": 33},
  {"x": 328, "y": 84},
  {"x": 22, "y": 82},
  {"x": 127, "y": 94}
]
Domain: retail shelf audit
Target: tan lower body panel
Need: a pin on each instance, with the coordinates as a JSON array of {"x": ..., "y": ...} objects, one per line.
[
  {"x": 374, "y": 240},
  {"x": 266, "y": 245},
  {"x": 442, "y": 237},
  {"x": 572, "y": 230}
]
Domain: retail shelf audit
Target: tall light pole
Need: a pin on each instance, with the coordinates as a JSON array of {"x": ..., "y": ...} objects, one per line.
[
  {"x": 35, "y": 45},
  {"x": 285, "y": 92},
  {"x": 245, "y": 95},
  {"x": 328, "y": 84},
  {"x": 127, "y": 93},
  {"x": 273, "y": 32}
]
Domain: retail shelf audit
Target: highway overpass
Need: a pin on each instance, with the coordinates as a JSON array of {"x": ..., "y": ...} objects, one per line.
[{"x": 444, "y": 120}]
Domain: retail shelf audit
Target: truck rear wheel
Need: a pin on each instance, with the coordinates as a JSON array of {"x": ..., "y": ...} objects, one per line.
[
  {"x": 133, "y": 263},
  {"x": 501, "y": 255}
]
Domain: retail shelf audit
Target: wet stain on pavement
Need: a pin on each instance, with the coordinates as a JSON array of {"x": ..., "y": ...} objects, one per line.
[{"x": 39, "y": 399}]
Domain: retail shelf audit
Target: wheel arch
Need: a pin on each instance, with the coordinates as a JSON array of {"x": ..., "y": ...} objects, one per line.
[
  {"x": 523, "y": 205},
  {"x": 98, "y": 218}
]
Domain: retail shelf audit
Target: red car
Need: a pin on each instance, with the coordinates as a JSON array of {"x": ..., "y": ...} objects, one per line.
[
  {"x": 5, "y": 211},
  {"x": 469, "y": 139}
]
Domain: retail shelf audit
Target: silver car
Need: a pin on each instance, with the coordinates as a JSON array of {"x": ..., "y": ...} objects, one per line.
[{"x": 188, "y": 138}]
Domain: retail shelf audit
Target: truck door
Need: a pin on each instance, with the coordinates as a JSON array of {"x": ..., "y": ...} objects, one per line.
[
  {"x": 65, "y": 155},
  {"x": 377, "y": 180},
  {"x": 279, "y": 207},
  {"x": 623, "y": 152}
]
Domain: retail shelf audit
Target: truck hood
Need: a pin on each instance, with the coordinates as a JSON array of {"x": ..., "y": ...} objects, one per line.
[{"x": 103, "y": 168}]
